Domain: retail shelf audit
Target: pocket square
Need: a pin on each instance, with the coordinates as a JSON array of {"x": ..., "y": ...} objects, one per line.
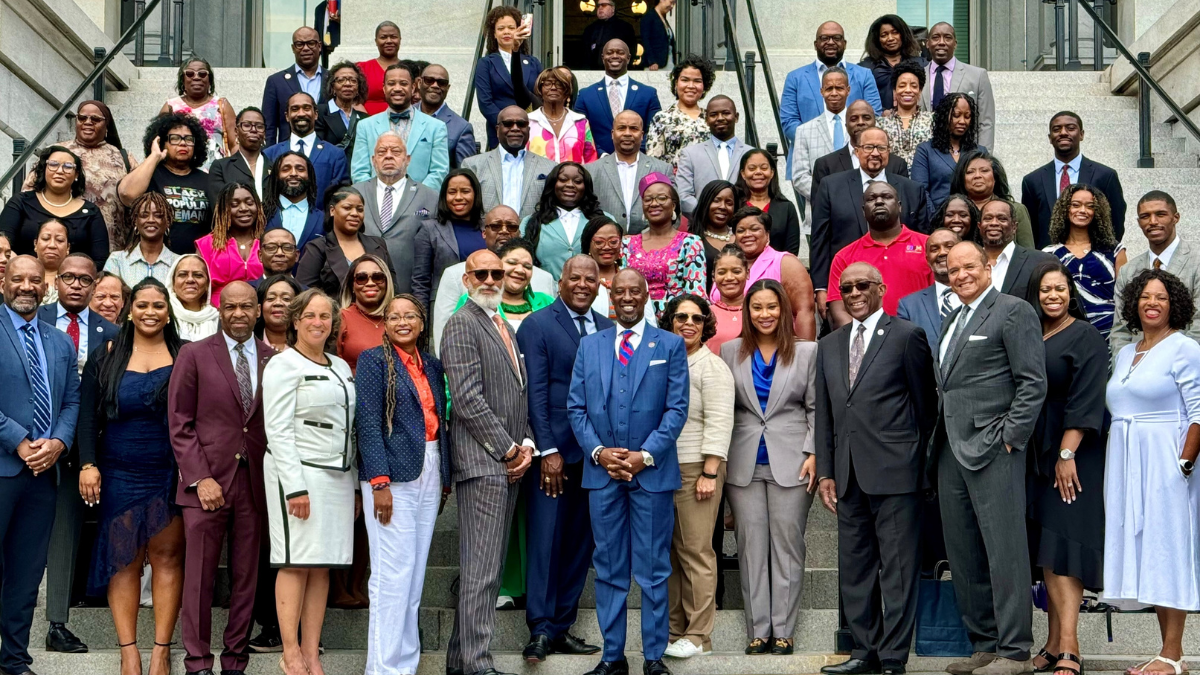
[
  {"x": 973, "y": 338},
  {"x": 541, "y": 176},
  {"x": 422, "y": 212},
  {"x": 658, "y": 362}
]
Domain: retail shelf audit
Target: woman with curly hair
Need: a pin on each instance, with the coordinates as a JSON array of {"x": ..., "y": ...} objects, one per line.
[
  {"x": 907, "y": 125},
  {"x": 231, "y": 251},
  {"x": 555, "y": 228},
  {"x": 682, "y": 124},
  {"x": 980, "y": 176},
  {"x": 147, "y": 254},
  {"x": 712, "y": 220},
  {"x": 197, "y": 89},
  {"x": 57, "y": 194},
  {"x": 1150, "y": 502},
  {"x": 508, "y": 74},
  {"x": 337, "y": 121},
  {"x": 176, "y": 148},
  {"x": 890, "y": 42},
  {"x": 1081, "y": 232},
  {"x": 955, "y": 131}
]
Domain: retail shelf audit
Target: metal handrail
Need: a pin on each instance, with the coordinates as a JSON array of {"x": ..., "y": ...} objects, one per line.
[
  {"x": 98, "y": 71},
  {"x": 747, "y": 97},
  {"x": 769, "y": 77},
  {"x": 487, "y": 8}
]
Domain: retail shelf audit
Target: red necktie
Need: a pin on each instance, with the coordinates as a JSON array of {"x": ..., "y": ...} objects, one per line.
[
  {"x": 1065, "y": 181},
  {"x": 73, "y": 329}
]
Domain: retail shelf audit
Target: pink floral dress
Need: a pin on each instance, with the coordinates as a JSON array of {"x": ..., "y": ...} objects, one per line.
[
  {"x": 209, "y": 115},
  {"x": 672, "y": 270}
]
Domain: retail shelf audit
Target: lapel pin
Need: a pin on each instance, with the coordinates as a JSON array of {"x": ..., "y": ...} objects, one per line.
[
  {"x": 99, "y": 329},
  {"x": 525, "y": 61},
  {"x": 879, "y": 332},
  {"x": 651, "y": 345},
  {"x": 633, "y": 87},
  {"x": 320, "y": 146},
  {"x": 287, "y": 76}
]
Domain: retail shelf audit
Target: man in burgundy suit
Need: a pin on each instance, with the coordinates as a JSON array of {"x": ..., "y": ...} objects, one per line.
[{"x": 216, "y": 417}]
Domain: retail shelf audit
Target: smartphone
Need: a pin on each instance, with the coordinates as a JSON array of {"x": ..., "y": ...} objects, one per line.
[{"x": 526, "y": 23}]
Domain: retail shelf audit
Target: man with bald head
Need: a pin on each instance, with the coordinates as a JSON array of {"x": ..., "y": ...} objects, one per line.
[
  {"x": 306, "y": 76},
  {"x": 946, "y": 74},
  {"x": 876, "y": 401},
  {"x": 628, "y": 402},
  {"x": 716, "y": 158},
  {"x": 615, "y": 176},
  {"x": 493, "y": 448},
  {"x": 601, "y": 102},
  {"x": 214, "y": 409},
  {"x": 508, "y": 174}
]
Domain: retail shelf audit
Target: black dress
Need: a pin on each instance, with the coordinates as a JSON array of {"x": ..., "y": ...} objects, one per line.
[
  {"x": 86, "y": 230},
  {"x": 1069, "y": 538}
]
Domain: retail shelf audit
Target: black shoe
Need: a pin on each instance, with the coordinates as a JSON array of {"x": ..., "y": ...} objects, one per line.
[
  {"x": 537, "y": 650},
  {"x": 206, "y": 671},
  {"x": 610, "y": 668},
  {"x": 655, "y": 667},
  {"x": 454, "y": 671},
  {"x": 781, "y": 646},
  {"x": 60, "y": 639},
  {"x": 852, "y": 667},
  {"x": 569, "y": 644},
  {"x": 758, "y": 646},
  {"x": 892, "y": 668},
  {"x": 490, "y": 671},
  {"x": 268, "y": 641}
]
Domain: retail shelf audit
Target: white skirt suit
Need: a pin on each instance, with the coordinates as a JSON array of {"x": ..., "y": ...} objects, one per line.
[{"x": 309, "y": 414}]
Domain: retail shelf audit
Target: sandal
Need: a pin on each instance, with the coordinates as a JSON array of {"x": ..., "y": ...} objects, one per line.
[
  {"x": 1049, "y": 662},
  {"x": 1179, "y": 666},
  {"x": 1068, "y": 656}
]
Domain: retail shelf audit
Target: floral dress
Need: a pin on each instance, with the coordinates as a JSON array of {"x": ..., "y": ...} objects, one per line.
[
  {"x": 575, "y": 144},
  {"x": 209, "y": 115},
  {"x": 674, "y": 269},
  {"x": 671, "y": 131},
  {"x": 904, "y": 142}
]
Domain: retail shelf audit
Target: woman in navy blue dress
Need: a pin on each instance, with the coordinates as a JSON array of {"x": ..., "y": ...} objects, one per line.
[{"x": 128, "y": 469}]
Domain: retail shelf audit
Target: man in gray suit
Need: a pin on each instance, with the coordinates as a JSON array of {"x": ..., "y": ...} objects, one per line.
[
  {"x": 492, "y": 450},
  {"x": 991, "y": 373},
  {"x": 509, "y": 174},
  {"x": 615, "y": 177},
  {"x": 1158, "y": 217},
  {"x": 946, "y": 74},
  {"x": 815, "y": 138},
  {"x": 718, "y": 158},
  {"x": 395, "y": 205}
]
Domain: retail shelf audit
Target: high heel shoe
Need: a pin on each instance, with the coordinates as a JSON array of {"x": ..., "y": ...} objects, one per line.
[
  {"x": 139, "y": 657},
  {"x": 168, "y": 645}
]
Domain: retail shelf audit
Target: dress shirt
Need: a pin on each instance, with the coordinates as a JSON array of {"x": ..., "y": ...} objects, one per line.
[
  {"x": 310, "y": 85},
  {"x": 829, "y": 117},
  {"x": 293, "y": 216},
  {"x": 638, "y": 329},
  {"x": 259, "y": 168},
  {"x": 512, "y": 172},
  {"x": 416, "y": 370},
  {"x": 309, "y": 141},
  {"x": 19, "y": 323},
  {"x": 132, "y": 266},
  {"x": 333, "y": 107},
  {"x": 63, "y": 321},
  {"x": 1072, "y": 171},
  {"x": 623, "y": 87},
  {"x": 628, "y": 174},
  {"x": 491, "y": 315},
  {"x": 590, "y": 327},
  {"x": 866, "y": 178},
  {"x": 251, "y": 352},
  {"x": 940, "y": 290},
  {"x": 397, "y": 190},
  {"x": 1000, "y": 268},
  {"x": 821, "y": 68},
  {"x": 950, "y": 329},
  {"x": 853, "y": 155},
  {"x": 946, "y": 76},
  {"x": 570, "y": 221},
  {"x": 725, "y": 148},
  {"x": 1166, "y": 255},
  {"x": 870, "y": 323}
]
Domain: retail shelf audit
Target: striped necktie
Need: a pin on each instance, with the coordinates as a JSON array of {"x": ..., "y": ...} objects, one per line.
[
  {"x": 41, "y": 394},
  {"x": 626, "y": 351},
  {"x": 946, "y": 308}
]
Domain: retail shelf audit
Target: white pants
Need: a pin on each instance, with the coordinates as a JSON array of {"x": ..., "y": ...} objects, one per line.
[{"x": 399, "y": 551}]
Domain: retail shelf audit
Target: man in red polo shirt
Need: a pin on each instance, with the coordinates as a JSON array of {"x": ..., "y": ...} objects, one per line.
[{"x": 888, "y": 246}]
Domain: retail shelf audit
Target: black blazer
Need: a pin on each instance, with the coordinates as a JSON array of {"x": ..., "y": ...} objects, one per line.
[
  {"x": 1016, "y": 279},
  {"x": 1039, "y": 191},
  {"x": 785, "y": 225},
  {"x": 657, "y": 43},
  {"x": 23, "y": 214},
  {"x": 100, "y": 332},
  {"x": 885, "y": 419},
  {"x": 838, "y": 216},
  {"x": 332, "y": 130},
  {"x": 839, "y": 161},
  {"x": 234, "y": 169},
  {"x": 324, "y": 266}
]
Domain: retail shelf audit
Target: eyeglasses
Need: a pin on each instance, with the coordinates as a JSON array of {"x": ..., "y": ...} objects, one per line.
[
  {"x": 439, "y": 81},
  {"x": 65, "y": 167},
  {"x": 411, "y": 317},
  {"x": 860, "y": 286},
  {"x": 346, "y": 79},
  {"x": 275, "y": 248},
  {"x": 252, "y": 126},
  {"x": 83, "y": 279},
  {"x": 661, "y": 199},
  {"x": 93, "y": 119},
  {"x": 611, "y": 242},
  {"x": 177, "y": 139},
  {"x": 502, "y": 226},
  {"x": 830, "y": 38},
  {"x": 301, "y": 44},
  {"x": 869, "y": 149},
  {"x": 361, "y": 278},
  {"x": 196, "y": 74},
  {"x": 482, "y": 275},
  {"x": 683, "y": 317},
  {"x": 509, "y": 124}
]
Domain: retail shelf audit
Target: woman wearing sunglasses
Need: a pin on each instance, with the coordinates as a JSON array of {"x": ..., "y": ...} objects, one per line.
[
  {"x": 555, "y": 131},
  {"x": 197, "y": 88},
  {"x": 57, "y": 194},
  {"x": 366, "y": 292},
  {"x": 326, "y": 260}
]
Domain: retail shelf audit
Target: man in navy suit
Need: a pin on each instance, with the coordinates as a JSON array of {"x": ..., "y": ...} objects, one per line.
[
  {"x": 328, "y": 161},
  {"x": 558, "y": 533},
  {"x": 929, "y": 307},
  {"x": 89, "y": 333},
  {"x": 39, "y": 406},
  {"x": 290, "y": 199},
  {"x": 628, "y": 403},
  {"x": 1042, "y": 187},
  {"x": 434, "y": 85},
  {"x": 306, "y": 76},
  {"x": 601, "y": 102}
]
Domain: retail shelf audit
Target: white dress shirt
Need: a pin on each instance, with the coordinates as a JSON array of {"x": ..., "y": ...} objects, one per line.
[
  {"x": 63, "y": 321},
  {"x": 866, "y": 178},
  {"x": 628, "y": 174},
  {"x": 829, "y": 117},
  {"x": 941, "y": 290},
  {"x": 1000, "y": 267},
  {"x": 309, "y": 141},
  {"x": 950, "y": 329},
  {"x": 622, "y": 86},
  {"x": 512, "y": 177},
  {"x": 1166, "y": 255},
  {"x": 1072, "y": 172},
  {"x": 870, "y": 323},
  {"x": 397, "y": 190},
  {"x": 570, "y": 221},
  {"x": 251, "y": 352},
  {"x": 259, "y": 168},
  {"x": 853, "y": 156}
]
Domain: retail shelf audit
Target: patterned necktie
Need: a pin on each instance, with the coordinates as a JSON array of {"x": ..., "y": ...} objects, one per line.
[
  {"x": 946, "y": 308},
  {"x": 73, "y": 329},
  {"x": 939, "y": 86},
  {"x": 582, "y": 320},
  {"x": 41, "y": 395},
  {"x": 839, "y": 136},
  {"x": 385, "y": 212},
  {"x": 1158, "y": 263},
  {"x": 614, "y": 98},
  {"x": 300, "y": 147},
  {"x": 626, "y": 351},
  {"x": 507, "y": 340},
  {"x": 245, "y": 388},
  {"x": 958, "y": 331},
  {"x": 856, "y": 353},
  {"x": 1065, "y": 181}
]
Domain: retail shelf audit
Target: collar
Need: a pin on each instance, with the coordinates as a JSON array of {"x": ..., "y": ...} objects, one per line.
[
  {"x": 821, "y": 67},
  {"x": 231, "y": 344},
  {"x": 717, "y": 142},
  {"x": 905, "y": 235},
  {"x": 574, "y": 213},
  {"x": 490, "y": 312},
  {"x": 587, "y": 315},
  {"x": 866, "y": 177},
  {"x": 300, "y": 71},
  {"x": 1167, "y": 254},
  {"x": 164, "y": 256},
  {"x": 507, "y": 157},
  {"x": 83, "y": 316},
  {"x": 829, "y": 115},
  {"x": 950, "y": 65},
  {"x": 333, "y": 106},
  {"x": 637, "y": 158},
  {"x": 639, "y": 328},
  {"x": 310, "y": 141},
  {"x": 286, "y": 204},
  {"x": 870, "y": 323},
  {"x": 398, "y": 186},
  {"x": 409, "y": 110},
  {"x": 974, "y": 304},
  {"x": 1074, "y": 164},
  {"x": 507, "y": 56},
  {"x": 940, "y": 289},
  {"x": 622, "y": 80},
  {"x": 435, "y": 113},
  {"x": 1007, "y": 253},
  {"x": 19, "y": 321},
  {"x": 409, "y": 360}
]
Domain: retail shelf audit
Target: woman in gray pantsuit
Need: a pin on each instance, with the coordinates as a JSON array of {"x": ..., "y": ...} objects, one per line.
[{"x": 771, "y": 470}]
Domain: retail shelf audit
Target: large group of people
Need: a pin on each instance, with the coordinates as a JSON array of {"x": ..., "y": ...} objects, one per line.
[{"x": 309, "y": 323}]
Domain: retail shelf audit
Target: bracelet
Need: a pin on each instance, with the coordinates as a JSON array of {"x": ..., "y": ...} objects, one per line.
[
  {"x": 710, "y": 476},
  {"x": 87, "y": 466},
  {"x": 380, "y": 486}
]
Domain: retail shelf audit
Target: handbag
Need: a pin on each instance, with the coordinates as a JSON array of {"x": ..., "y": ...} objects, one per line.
[{"x": 940, "y": 629}]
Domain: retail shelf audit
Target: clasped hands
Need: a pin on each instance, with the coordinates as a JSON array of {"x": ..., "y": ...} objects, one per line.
[
  {"x": 520, "y": 463},
  {"x": 40, "y": 454},
  {"x": 622, "y": 463}
]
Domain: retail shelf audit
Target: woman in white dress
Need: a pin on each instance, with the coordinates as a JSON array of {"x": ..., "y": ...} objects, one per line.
[
  {"x": 1151, "y": 499},
  {"x": 308, "y": 401}
]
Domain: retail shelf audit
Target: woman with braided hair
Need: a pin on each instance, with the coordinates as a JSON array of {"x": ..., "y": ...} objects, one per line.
[
  {"x": 404, "y": 464},
  {"x": 231, "y": 251}
]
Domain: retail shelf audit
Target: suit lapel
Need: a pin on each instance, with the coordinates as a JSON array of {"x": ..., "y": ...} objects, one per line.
[
  {"x": 605, "y": 112},
  {"x": 528, "y": 178},
  {"x": 1019, "y": 257},
  {"x": 881, "y": 333},
  {"x": 492, "y": 330},
  {"x": 19, "y": 346},
  {"x": 445, "y": 231},
  {"x": 642, "y": 356},
  {"x": 608, "y": 358},
  {"x": 564, "y": 320},
  {"x": 780, "y": 383},
  {"x": 973, "y": 323},
  {"x": 410, "y": 191},
  {"x": 956, "y": 78},
  {"x": 844, "y": 163},
  {"x": 1087, "y": 171},
  {"x": 221, "y": 356},
  {"x": 746, "y": 381},
  {"x": 856, "y": 195},
  {"x": 1050, "y": 185},
  {"x": 710, "y": 151},
  {"x": 292, "y": 81},
  {"x": 608, "y": 165}
]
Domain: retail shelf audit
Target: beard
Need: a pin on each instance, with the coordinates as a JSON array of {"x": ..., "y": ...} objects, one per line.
[
  {"x": 489, "y": 301},
  {"x": 24, "y": 303},
  {"x": 293, "y": 191}
]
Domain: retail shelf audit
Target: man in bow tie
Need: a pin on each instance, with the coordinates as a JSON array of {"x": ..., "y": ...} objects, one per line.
[{"x": 424, "y": 136}]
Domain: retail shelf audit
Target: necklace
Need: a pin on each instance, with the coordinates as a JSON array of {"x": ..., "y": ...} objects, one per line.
[
  {"x": 728, "y": 236},
  {"x": 147, "y": 351},
  {"x": 1062, "y": 324},
  {"x": 57, "y": 206},
  {"x": 555, "y": 120}
]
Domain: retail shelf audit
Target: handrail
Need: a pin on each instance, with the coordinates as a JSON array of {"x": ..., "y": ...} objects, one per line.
[
  {"x": 1143, "y": 71},
  {"x": 747, "y": 99},
  {"x": 769, "y": 76},
  {"x": 487, "y": 8},
  {"x": 98, "y": 71}
]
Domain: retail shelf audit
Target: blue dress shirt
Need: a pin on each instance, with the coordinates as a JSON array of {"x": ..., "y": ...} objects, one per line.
[
  {"x": 293, "y": 216},
  {"x": 310, "y": 85},
  {"x": 764, "y": 373},
  {"x": 19, "y": 323},
  {"x": 1072, "y": 172},
  {"x": 513, "y": 169}
]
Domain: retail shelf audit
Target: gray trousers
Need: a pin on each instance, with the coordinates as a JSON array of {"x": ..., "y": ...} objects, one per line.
[
  {"x": 485, "y": 512},
  {"x": 64, "y": 545},
  {"x": 769, "y": 521},
  {"x": 983, "y": 518}
]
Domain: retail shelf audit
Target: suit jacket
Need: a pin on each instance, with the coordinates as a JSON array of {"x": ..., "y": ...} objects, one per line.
[
  {"x": 99, "y": 329},
  {"x": 994, "y": 383},
  {"x": 839, "y": 161},
  {"x": 279, "y": 88},
  {"x": 491, "y": 410},
  {"x": 234, "y": 169},
  {"x": 209, "y": 431},
  {"x": 607, "y": 185},
  {"x": 812, "y": 142},
  {"x": 332, "y": 130},
  {"x": 328, "y": 160},
  {"x": 923, "y": 309},
  {"x": 698, "y": 167},
  {"x": 658, "y": 410},
  {"x": 973, "y": 81},
  {"x": 428, "y": 152},
  {"x": 788, "y": 423},
  {"x": 1185, "y": 264},
  {"x": 785, "y": 225},
  {"x": 592, "y": 102},
  {"x": 801, "y": 100},
  {"x": 488, "y": 170},
  {"x": 494, "y": 88},
  {"x": 314, "y": 227},
  {"x": 1039, "y": 192},
  {"x": 400, "y": 454},
  {"x": 324, "y": 266},
  {"x": 882, "y": 422},
  {"x": 838, "y": 216},
  {"x": 16, "y": 391},
  {"x": 935, "y": 170},
  {"x": 460, "y": 135},
  {"x": 435, "y": 249},
  {"x": 658, "y": 44},
  {"x": 416, "y": 204},
  {"x": 1024, "y": 260},
  {"x": 549, "y": 340}
]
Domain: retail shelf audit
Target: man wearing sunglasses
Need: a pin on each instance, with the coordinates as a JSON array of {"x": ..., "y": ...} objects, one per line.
[
  {"x": 508, "y": 174},
  {"x": 434, "y": 85},
  {"x": 89, "y": 332},
  {"x": 306, "y": 75},
  {"x": 876, "y": 405}
]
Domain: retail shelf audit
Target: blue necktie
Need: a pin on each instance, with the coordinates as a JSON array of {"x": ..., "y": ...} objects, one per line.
[
  {"x": 626, "y": 353},
  {"x": 939, "y": 87},
  {"x": 300, "y": 147},
  {"x": 839, "y": 136},
  {"x": 41, "y": 395}
]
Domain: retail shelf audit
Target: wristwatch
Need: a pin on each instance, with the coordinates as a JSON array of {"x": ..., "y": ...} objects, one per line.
[
  {"x": 1186, "y": 466},
  {"x": 1066, "y": 454}
]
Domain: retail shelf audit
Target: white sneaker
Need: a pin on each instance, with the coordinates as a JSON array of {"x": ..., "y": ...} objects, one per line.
[
  {"x": 505, "y": 602},
  {"x": 683, "y": 649}
]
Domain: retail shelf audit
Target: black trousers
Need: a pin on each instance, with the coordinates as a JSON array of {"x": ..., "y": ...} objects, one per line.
[{"x": 26, "y": 518}]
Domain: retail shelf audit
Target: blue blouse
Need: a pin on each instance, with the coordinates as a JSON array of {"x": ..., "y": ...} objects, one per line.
[
  {"x": 763, "y": 374},
  {"x": 470, "y": 239}
]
